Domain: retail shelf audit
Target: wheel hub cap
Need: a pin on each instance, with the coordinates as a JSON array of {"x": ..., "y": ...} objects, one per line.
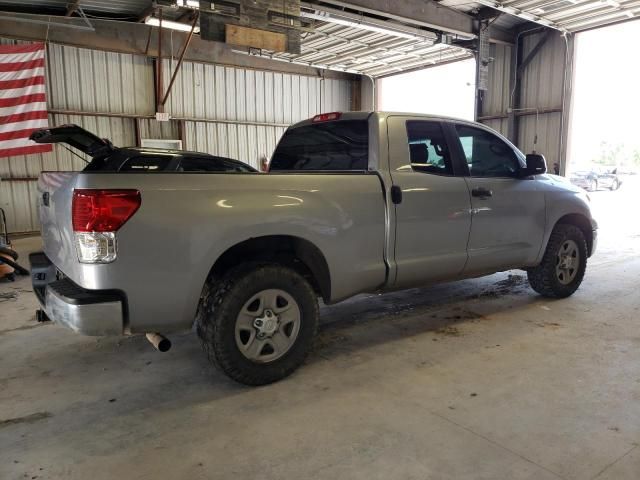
[{"x": 267, "y": 324}]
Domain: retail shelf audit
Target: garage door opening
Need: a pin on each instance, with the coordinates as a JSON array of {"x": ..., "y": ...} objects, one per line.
[
  {"x": 604, "y": 145},
  {"x": 442, "y": 90}
]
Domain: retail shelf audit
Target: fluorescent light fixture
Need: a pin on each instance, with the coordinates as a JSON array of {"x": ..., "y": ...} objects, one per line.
[
  {"x": 188, "y": 3},
  {"x": 356, "y": 21},
  {"x": 183, "y": 27},
  {"x": 629, "y": 13},
  {"x": 611, "y": 3}
]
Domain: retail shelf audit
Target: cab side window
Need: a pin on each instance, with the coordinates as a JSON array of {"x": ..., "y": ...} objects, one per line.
[
  {"x": 486, "y": 154},
  {"x": 428, "y": 149}
]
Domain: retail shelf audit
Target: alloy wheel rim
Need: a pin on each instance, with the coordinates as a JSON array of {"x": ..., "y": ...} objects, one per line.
[{"x": 267, "y": 325}]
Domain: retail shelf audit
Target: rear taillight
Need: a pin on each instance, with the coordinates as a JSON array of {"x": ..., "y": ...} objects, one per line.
[
  {"x": 103, "y": 210},
  {"x": 96, "y": 216}
]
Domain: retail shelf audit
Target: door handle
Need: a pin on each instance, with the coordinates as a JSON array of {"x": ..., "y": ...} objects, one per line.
[{"x": 481, "y": 192}]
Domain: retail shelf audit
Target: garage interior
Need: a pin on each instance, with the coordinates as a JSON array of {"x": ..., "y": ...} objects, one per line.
[{"x": 480, "y": 378}]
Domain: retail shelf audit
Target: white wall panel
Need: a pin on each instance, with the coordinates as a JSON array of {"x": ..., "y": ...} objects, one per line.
[
  {"x": 150, "y": 128},
  {"x": 246, "y": 143},
  {"x": 217, "y": 92},
  {"x": 97, "y": 81}
]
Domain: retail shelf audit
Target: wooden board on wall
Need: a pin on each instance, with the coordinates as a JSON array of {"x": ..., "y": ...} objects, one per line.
[
  {"x": 277, "y": 16},
  {"x": 252, "y": 37}
]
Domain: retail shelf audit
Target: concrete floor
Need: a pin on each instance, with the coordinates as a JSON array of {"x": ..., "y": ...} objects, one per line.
[{"x": 480, "y": 379}]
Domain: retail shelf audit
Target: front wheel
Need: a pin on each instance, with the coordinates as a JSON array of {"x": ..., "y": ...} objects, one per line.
[
  {"x": 257, "y": 324},
  {"x": 615, "y": 185},
  {"x": 564, "y": 263},
  {"x": 593, "y": 185}
]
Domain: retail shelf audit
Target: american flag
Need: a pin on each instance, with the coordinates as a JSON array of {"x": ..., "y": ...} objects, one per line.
[{"x": 23, "y": 106}]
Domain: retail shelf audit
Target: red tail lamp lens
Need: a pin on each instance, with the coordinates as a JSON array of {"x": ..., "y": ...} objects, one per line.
[{"x": 103, "y": 210}]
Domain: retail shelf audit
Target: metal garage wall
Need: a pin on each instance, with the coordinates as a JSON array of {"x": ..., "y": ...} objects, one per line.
[
  {"x": 542, "y": 87},
  {"x": 250, "y": 124},
  {"x": 95, "y": 81},
  {"x": 235, "y": 112},
  {"x": 542, "y": 84},
  {"x": 244, "y": 142},
  {"x": 496, "y": 99}
]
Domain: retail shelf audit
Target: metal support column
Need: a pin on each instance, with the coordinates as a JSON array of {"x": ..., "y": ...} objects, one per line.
[{"x": 519, "y": 64}]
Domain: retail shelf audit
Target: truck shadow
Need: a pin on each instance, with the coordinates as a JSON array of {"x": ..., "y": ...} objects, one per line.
[{"x": 369, "y": 320}]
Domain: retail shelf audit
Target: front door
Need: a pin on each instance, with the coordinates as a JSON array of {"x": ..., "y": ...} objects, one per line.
[
  {"x": 433, "y": 216},
  {"x": 508, "y": 212}
]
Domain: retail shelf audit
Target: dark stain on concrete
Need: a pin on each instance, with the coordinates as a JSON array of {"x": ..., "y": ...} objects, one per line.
[{"x": 34, "y": 417}]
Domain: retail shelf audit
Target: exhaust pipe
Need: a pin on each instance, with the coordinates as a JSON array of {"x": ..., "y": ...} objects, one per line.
[{"x": 159, "y": 342}]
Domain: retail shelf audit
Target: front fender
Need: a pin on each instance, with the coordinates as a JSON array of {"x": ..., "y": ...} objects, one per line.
[{"x": 562, "y": 201}]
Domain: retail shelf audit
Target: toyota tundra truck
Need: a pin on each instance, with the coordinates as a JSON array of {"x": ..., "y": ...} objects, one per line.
[{"x": 352, "y": 202}]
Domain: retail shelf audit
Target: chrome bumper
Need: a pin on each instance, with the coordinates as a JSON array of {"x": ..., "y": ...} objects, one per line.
[{"x": 89, "y": 312}]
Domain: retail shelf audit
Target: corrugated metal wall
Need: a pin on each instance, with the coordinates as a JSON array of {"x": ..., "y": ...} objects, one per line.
[
  {"x": 236, "y": 112},
  {"x": 248, "y": 125},
  {"x": 496, "y": 99},
  {"x": 542, "y": 84},
  {"x": 541, "y": 87}
]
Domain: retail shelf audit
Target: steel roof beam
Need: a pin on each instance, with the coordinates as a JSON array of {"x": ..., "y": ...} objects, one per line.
[{"x": 425, "y": 13}]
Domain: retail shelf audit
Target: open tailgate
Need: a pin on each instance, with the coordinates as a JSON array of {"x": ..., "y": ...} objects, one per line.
[{"x": 75, "y": 136}]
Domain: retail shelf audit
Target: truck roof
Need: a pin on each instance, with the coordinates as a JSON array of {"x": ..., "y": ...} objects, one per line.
[{"x": 365, "y": 114}]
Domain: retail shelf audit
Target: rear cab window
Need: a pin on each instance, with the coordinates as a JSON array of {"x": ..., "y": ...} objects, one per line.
[{"x": 327, "y": 146}]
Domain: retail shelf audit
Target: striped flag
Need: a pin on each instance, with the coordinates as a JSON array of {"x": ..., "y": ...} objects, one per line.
[{"x": 23, "y": 106}]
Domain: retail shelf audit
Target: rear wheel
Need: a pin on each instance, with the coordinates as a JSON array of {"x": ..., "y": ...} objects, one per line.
[
  {"x": 564, "y": 263},
  {"x": 615, "y": 185},
  {"x": 593, "y": 185},
  {"x": 257, "y": 324}
]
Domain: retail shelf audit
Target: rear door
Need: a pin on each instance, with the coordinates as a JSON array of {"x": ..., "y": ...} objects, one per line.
[
  {"x": 508, "y": 212},
  {"x": 433, "y": 216}
]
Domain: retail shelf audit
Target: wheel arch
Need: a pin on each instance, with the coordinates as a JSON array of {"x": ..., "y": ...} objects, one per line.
[
  {"x": 295, "y": 252},
  {"x": 583, "y": 223}
]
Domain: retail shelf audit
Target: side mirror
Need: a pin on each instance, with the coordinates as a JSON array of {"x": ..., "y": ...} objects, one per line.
[{"x": 536, "y": 165}]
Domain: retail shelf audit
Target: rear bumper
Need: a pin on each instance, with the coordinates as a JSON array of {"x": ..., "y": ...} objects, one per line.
[{"x": 90, "y": 312}]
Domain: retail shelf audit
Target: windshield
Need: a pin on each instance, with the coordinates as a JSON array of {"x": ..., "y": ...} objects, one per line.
[{"x": 330, "y": 146}]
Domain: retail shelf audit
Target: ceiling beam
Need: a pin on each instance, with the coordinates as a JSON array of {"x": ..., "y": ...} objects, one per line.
[
  {"x": 130, "y": 37},
  {"x": 426, "y": 13}
]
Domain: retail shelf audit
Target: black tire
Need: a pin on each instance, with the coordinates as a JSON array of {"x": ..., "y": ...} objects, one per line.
[
  {"x": 7, "y": 251},
  {"x": 544, "y": 279},
  {"x": 615, "y": 185},
  {"x": 218, "y": 313},
  {"x": 593, "y": 185}
]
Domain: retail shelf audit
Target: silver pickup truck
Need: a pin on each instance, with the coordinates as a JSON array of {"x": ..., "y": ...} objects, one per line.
[{"x": 352, "y": 203}]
